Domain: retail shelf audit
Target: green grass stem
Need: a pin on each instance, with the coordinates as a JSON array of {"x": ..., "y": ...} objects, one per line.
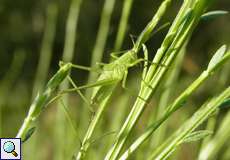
[
  {"x": 213, "y": 146},
  {"x": 8, "y": 80},
  {"x": 68, "y": 54},
  {"x": 46, "y": 48},
  {"x": 177, "y": 104},
  {"x": 144, "y": 36},
  {"x": 165, "y": 97},
  {"x": 123, "y": 24},
  {"x": 189, "y": 126},
  {"x": 41, "y": 101}
]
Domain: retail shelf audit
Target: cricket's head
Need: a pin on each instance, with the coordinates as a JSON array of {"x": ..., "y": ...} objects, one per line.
[{"x": 133, "y": 55}]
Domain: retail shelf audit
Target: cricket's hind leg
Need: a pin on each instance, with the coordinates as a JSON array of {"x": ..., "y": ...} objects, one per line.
[
  {"x": 70, "y": 119},
  {"x": 90, "y": 69},
  {"x": 89, "y": 104},
  {"x": 93, "y": 141},
  {"x": 62, "y": 92}
]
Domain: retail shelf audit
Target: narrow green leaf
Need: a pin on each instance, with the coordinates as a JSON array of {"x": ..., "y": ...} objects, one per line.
[
  {"x": 217, "y": 57},
  {"x": 29, "y": 134},
  {"x": 197, "y": 135},
  {"x": 213, "y": 14},
  {"x": 187, "y": 15},
  {"x": 225, "y": 104}
]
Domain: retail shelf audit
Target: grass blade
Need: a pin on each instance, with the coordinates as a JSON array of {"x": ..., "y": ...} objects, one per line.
[{"x": 189, "y": 126}]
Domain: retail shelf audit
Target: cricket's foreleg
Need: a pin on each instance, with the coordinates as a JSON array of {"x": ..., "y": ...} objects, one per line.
[
  {"x": 124, "y": 79},
  {"x": 101, "y": 64},
  {"x": 136, "y": 62},
  {"x": 162, "y": 27}
]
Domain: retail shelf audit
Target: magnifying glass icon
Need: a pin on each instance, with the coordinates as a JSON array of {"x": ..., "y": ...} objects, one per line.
[{"x": 9, "y": 147}]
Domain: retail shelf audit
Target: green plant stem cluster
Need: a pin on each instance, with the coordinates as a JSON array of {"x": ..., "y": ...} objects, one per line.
[
  {"x": 189, "y": 126},
  {"x": 144, "y": 36},
  {"x": 179, "y": 32},
  {"x": 177, "y": 104},
  {"x": 41, "y": 101}
]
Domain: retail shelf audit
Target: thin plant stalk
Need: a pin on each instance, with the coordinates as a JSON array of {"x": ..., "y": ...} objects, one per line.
[
  {"x": 102, "y": 35},
  {"x": 44, "y": 61},
  {"x": 119, "y": 116},
  {"x": 68, "y": 54},
  {"x": 9, "y": 79},
  {"x": 123, "y": 24},
  {"x": 177, "y": 104},
  {"x": 211, "y": 124},
  {"x": 189, "y": 126},
  {"x": 46, "y": 48},
  {"x": 213, "y": 146},
  {"x": 87, "y": 137}
]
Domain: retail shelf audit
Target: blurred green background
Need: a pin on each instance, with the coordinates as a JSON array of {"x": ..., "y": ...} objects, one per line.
[{"x": 22, "y": 25}]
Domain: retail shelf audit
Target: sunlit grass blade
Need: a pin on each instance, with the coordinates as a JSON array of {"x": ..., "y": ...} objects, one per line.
[
  {"x": 170, "y": 79},
  {"x": 189, "y": 126},
  {"x": 123, "y": 24},
  {"x": 213, "y": 14},
  {"x": 213, "y": 146},
  {"x": 46, "y": 48}
]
